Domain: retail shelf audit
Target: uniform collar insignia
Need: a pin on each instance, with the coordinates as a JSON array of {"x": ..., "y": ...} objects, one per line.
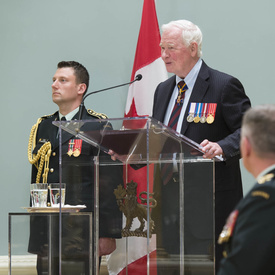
[{"x": 265, "y": 178}]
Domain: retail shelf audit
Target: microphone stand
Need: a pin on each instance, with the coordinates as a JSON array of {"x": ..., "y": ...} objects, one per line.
[{"x": 81, "y": 106}]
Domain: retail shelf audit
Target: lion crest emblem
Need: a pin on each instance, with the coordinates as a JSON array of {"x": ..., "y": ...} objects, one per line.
[{"x": 128, "y": 204}]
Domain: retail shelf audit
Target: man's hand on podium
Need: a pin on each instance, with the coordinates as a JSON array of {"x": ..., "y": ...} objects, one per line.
[{"x": 113, "y": 155}]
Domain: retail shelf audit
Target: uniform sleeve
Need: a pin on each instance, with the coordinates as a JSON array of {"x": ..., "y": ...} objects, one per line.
[{"x": 252, "y": 247}]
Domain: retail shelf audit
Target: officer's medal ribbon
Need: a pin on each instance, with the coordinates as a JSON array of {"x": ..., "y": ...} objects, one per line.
[{"x": 229, "y": 227}]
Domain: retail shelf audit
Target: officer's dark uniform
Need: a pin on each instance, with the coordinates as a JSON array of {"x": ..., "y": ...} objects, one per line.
[
  {"x": 249, "y": 234},
  {"x": 78, "y": 174}
]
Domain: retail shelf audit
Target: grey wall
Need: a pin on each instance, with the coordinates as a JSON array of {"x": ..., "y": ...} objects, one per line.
[{"x": 35, "y": 35}]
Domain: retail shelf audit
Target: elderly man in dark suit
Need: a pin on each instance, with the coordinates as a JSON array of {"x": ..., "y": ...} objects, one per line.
[
  {"x": 248, "y": 236},
  {"x": 211, "y": 103}
]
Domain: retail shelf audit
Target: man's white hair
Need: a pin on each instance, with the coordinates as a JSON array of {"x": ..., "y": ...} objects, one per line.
[{"x": 190, "y": 32}]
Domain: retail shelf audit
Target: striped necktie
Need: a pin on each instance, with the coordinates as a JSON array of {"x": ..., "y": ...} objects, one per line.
[{"x": 167, "y": 168}]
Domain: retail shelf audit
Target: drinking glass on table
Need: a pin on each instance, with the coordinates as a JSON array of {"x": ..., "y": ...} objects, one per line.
[
  {"x": 39, "y": 194},
  {"x": 55, "y": 196}
]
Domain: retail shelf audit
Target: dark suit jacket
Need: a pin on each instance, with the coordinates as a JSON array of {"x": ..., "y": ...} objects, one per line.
[
  {"x": 78, "y": 174},
  {"x": 251, "y": 247},
  {"x": 213, "y": 86}
]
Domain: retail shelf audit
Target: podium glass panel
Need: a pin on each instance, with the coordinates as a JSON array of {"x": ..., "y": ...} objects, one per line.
[{"x": 164, "y": 214}]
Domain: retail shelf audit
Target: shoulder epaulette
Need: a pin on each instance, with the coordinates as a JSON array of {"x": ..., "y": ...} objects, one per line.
[
  {"x": 95, "y": 114},
  {"x": 48, "y": 116}
]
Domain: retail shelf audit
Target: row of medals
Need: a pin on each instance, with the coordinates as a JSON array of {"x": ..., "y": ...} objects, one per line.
[
  {"x": 209, "y": 119},
  {"x": 73, "y": 151}
]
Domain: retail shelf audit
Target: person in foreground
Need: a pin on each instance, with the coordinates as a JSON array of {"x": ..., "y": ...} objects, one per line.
[
  {"x": 249, "y": 234},
  {"x": 212, "y": 105},
  {"x": 70, "y": 83}
]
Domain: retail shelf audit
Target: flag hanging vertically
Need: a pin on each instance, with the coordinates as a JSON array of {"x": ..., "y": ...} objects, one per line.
[{"x": 149, "y": 64}]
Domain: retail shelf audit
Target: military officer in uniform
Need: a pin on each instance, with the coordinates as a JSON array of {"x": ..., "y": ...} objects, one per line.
[
  {"x": 249, "y": 234},
  {"x": 70, "y": 83}
]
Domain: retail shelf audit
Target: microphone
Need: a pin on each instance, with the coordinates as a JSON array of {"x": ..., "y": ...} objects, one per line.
[
  {"x": 138, "y": 77},
  {"x": 81, "y": 106}
]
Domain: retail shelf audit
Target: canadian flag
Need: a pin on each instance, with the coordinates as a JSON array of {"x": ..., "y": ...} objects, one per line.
[{"x": 149, "y": 64}]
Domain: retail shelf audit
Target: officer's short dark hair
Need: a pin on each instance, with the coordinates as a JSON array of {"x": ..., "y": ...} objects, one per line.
[{"x": 81, "y": 73}]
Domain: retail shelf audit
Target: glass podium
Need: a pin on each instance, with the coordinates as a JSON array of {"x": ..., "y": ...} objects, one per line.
[{"x": 144, "y": 185}]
